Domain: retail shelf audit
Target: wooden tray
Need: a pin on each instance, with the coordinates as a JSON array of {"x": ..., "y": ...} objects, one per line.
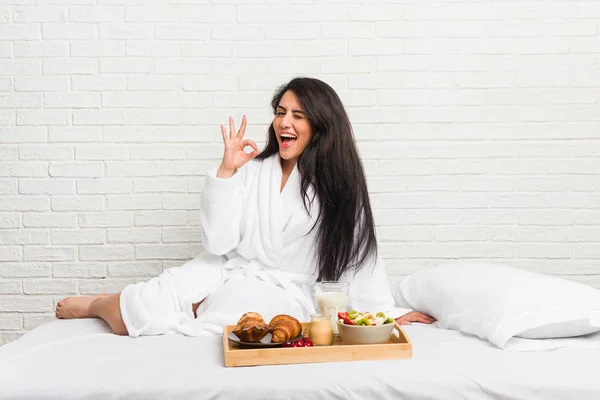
[{"x": 399, "y": 346}]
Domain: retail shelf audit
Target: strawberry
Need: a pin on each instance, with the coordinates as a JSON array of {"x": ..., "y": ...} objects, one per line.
[
  {"x": 342, "y": 315},
  {"x": 348, "y": 321}
]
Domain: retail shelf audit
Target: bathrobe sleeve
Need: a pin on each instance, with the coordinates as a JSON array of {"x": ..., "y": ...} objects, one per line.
[
  {"x": 370, "y": 291},
  {"x": 221, "y": 211}
]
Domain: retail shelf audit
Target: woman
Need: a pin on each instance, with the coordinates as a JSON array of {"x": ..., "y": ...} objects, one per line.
[{"x": 272, "y": 225}]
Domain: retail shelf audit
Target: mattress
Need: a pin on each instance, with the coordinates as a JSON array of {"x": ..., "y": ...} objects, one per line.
[{"x": 80, "y": 359}]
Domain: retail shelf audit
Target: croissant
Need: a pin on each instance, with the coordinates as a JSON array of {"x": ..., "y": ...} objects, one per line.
[
  {"x": 251, "y": 328},
  {"x": 284, "y": 327}
]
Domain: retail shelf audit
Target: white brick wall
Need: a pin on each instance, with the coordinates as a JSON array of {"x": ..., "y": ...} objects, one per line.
[{"x": 478, "y": 123}]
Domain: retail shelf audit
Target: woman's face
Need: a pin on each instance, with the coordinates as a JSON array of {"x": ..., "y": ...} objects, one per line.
[{"x": 291, "y": 126}]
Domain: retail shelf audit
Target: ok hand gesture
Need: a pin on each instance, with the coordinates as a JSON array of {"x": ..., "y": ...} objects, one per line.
[{"x": 234, "y": 156}]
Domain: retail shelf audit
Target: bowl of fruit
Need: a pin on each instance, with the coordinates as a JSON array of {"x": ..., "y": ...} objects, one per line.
[{"x": 364, "y": 328}]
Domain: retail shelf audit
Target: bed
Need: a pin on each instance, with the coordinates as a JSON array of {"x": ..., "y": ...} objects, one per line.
[{"x": 81, "y": 359}]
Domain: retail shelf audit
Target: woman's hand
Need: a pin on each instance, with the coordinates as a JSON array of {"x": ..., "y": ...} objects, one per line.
[
  {"x": 234, "y": 156},
  {"x": 414, "y": 316}
]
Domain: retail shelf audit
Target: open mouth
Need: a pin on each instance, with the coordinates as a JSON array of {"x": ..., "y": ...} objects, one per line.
[{"x": 287, "y": 140}]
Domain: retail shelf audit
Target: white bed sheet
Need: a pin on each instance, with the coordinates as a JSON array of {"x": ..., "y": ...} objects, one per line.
[{"x": 80, "y": 359}]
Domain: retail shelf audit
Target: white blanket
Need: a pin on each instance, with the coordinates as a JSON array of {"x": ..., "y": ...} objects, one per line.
[
  {"x": 79, "y": 359},
  {"x": 260, "y": 256}
]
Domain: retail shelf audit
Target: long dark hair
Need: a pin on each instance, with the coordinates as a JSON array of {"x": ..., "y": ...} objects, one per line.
[{"x": 346, "y": 230}]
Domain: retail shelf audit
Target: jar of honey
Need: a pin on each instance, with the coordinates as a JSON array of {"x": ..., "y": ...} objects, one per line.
[{"x": 320, "y": 330}]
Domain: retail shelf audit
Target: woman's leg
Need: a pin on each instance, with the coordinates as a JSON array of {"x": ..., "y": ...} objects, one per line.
[
  {"x": 103, "y": 306},
  {"x": 195, "y": 308}
]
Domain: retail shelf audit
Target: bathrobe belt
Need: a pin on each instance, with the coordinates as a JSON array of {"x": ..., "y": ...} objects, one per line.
[{"x": 289, "y": 281}]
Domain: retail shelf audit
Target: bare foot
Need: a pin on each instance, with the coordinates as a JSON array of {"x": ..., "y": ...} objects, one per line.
[{"x": 76, "y": 306}]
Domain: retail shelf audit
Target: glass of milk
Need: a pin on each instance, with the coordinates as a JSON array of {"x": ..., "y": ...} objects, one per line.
[{"x": 332, "y": 297}]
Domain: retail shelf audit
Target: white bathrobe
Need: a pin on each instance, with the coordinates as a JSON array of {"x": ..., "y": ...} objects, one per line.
[{"x": 260, "y": 256}]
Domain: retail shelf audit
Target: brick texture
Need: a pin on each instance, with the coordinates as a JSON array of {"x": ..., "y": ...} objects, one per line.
[{"x": 478, "y": 124}]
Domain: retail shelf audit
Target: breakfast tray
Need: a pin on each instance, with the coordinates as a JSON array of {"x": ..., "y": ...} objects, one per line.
[{"x": 399, "y": 346}]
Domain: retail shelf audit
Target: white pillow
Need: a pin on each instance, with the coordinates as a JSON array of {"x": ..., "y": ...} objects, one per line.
[{"x": 499, "y": 303}]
